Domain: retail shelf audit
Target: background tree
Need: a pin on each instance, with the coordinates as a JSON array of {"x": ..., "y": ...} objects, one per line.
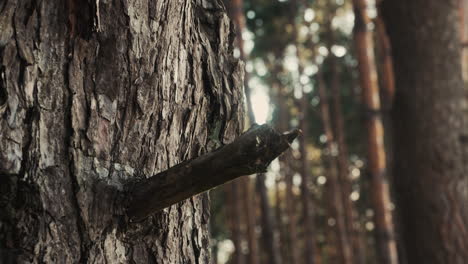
[
  {"x": 429, "y": 130},
  {"x": 379, "y": 187}
]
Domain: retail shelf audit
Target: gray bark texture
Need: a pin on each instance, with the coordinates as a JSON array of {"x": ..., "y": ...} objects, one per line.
[
  {"x": 430, "y": 132},
  {"x": 94, "y": 94}
]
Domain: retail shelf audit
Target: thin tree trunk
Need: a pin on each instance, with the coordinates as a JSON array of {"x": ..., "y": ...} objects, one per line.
[
  {"x": 310, "y": 247},
  {"x": 279, "y": 212},
  {"x": 236, "y": 220},
  {"x": 269, "y": 236},
  {"x": 249, "y": 205},
  {"x": 387, "y": 75},
  {"x": 333, "y": 188},
  {"x": 310, "y": 250},
  {"x": 93, "y": 96},
  {"x": 387, "y": 93},
  {"x": 288, "y": 175},
  {"x": 429, "y": 114},
  {"x": 237, "y": 14},
  {"x": 350, "y": 212},
  {"x": 236, "y": 10},
  {"x": 380, "y": 193},
  {"x": 463, "y": 15}
]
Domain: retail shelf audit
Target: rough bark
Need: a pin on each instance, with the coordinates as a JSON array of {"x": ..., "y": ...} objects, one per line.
[
  {"x": 95, "y": 93},
  {"x": 429, "y": 114},
  {"x": 385, "y": 237}
]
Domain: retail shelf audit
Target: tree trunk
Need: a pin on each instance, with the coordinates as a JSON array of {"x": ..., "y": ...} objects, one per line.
[
  {"x": 463, "y": 14},
  {"x": 387, "y": 75},
  {"x": 94, "y": 96},
  {"x": 385, "y": 237},
  {"x": 430, "y": 132},
  {"x": 249, "y": 212},
  {"x": 236, "y": 213},
  {"x": 287, "y": 171},
  {"x": 350, "y": 212},
  {"x": 334, "y": 193},
  {"x": 311, "y": 255},
  {"x": 237, "y": 14},
  {"x": 269, "y": 235}
]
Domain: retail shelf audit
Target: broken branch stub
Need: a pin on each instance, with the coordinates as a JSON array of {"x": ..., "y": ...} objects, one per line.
[{"x": 250, "y": 153}]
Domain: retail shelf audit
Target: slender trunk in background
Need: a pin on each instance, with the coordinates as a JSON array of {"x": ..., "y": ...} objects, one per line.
[
  {"x": 463, "y": 15},
  {"x": 333, "y": 188},
  {"x": 279, "y": 181},
  {"x": 310, "y": 247},
  {"x": 385, "y": 237},
  {"x": 430, "y": 130},
  {"x": 279, "y": 212},
  {"x": 269, "y": 236},
  {"x": 311, "y": 255},
  {"x": 350, "y": 211},
  {"x": 287, "y": 171},
  {"x": 249, "y": 212},
  {"x": 235, "y": 213},
  {"x": 237, "y": 14},
  {"x": 387, "y": 76}
]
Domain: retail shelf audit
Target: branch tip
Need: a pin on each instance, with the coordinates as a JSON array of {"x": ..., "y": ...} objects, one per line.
[{"x": 292, "y": 134}]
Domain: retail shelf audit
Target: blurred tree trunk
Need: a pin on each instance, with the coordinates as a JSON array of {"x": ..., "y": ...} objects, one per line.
[
  {"x": 386, "y": 78},
  {"x": 279, "y": 213},
  {"x": 463, "y": 14},
  {"x": 332, "y": 187},
  {"x": 93, "y": 96},
  {"x": 287, "y": 171},
  {"x": 269, "y": 235},
  {"x": 430, "y": 129},
  {"x": 380, "y": 193},
  {"x": 387, "y": 75},
  {"x": 236, "y": 213},
  {"x": 350, "y": 212},
  {"x": 250, "y": 215},
  {"x": 310, "y": 249},
  {"x": 236, "y": 12}
]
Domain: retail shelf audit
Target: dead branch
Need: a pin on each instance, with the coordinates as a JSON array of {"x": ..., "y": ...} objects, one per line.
[{"x": 251, "y": 153}]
